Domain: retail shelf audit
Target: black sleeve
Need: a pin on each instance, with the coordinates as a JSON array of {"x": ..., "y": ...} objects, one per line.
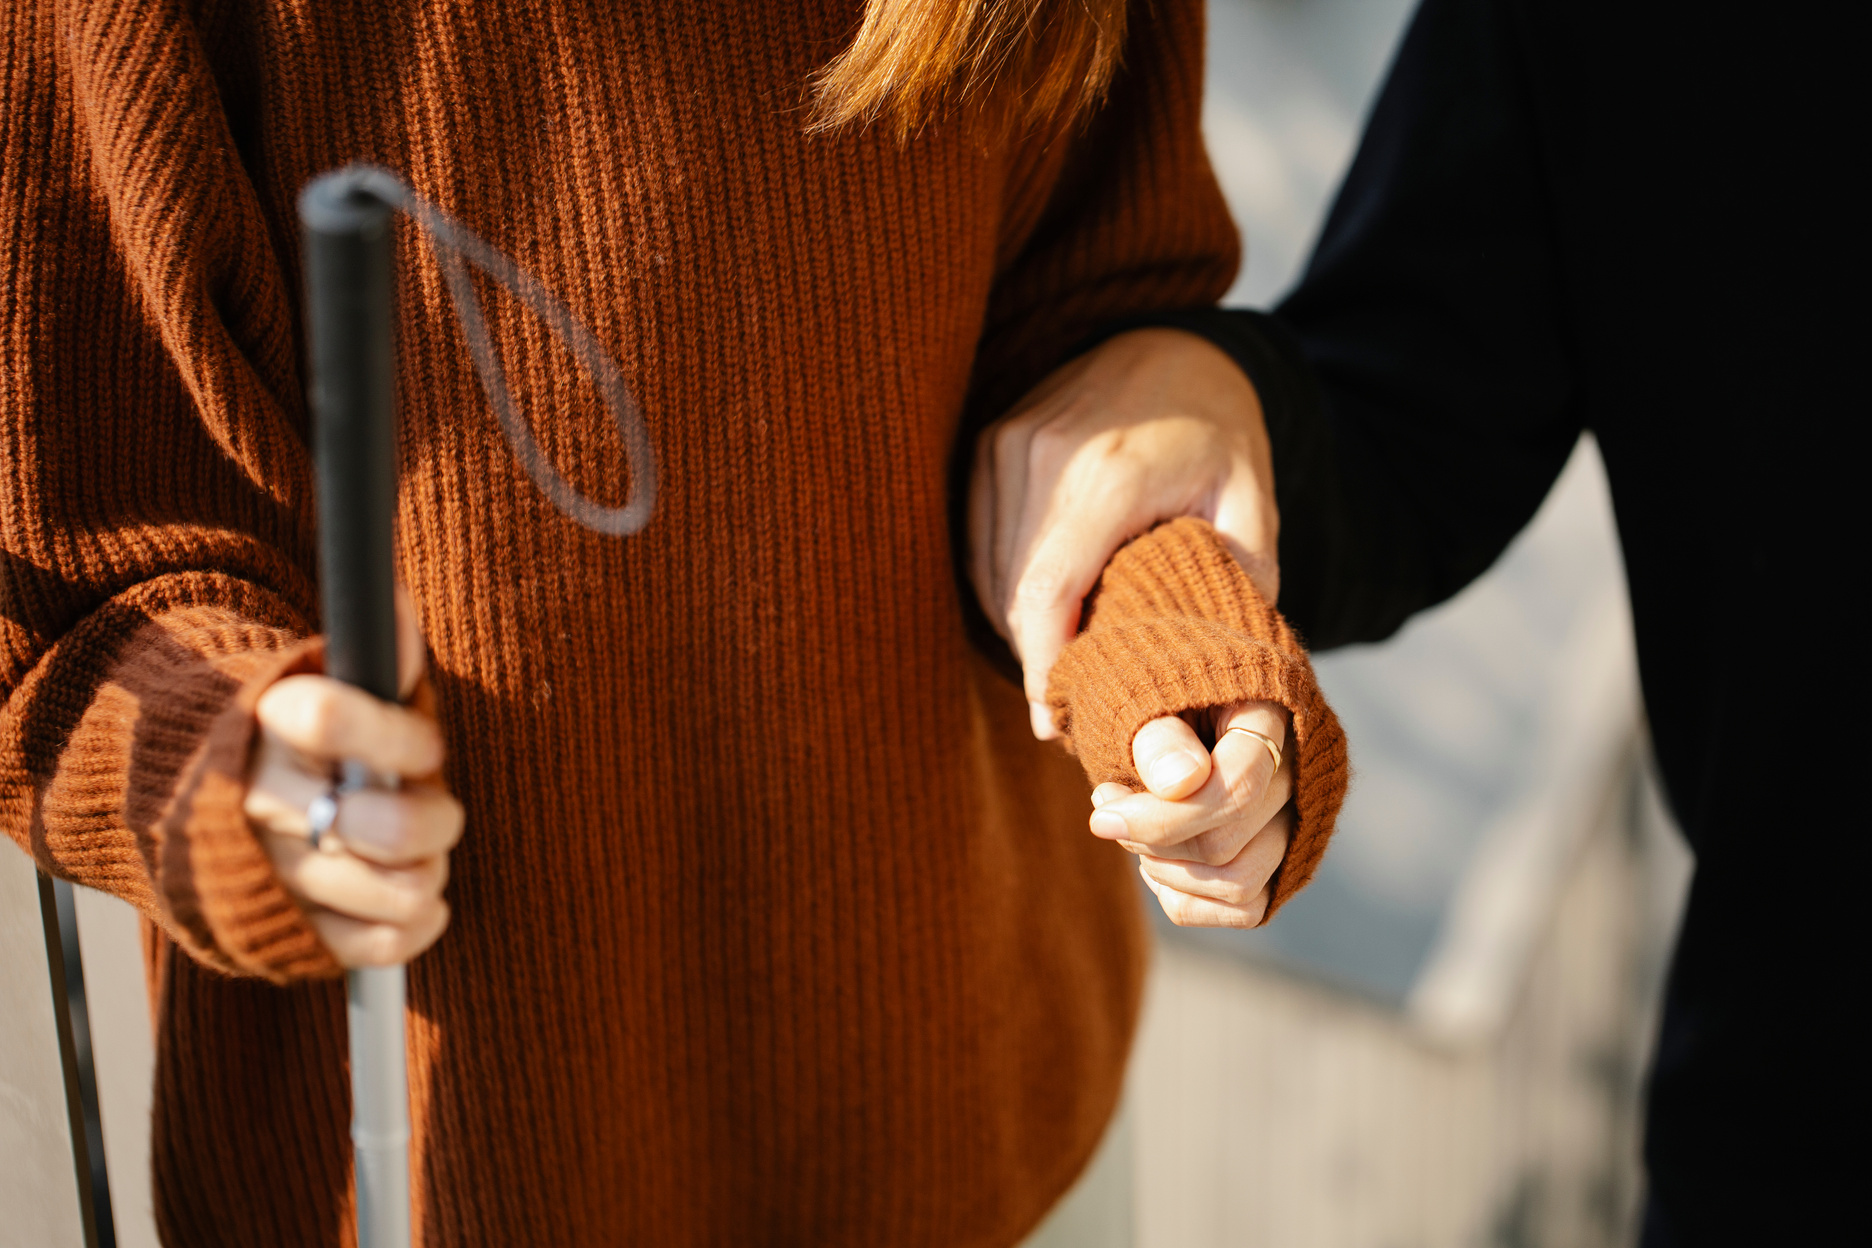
[{"x": 1418, "y": 385}]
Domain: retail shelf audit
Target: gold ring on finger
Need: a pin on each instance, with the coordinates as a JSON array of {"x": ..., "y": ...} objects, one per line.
[{"x": 1263, "y": 738}]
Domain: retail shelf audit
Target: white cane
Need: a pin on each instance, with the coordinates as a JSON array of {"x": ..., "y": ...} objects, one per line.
[
  {"x": 345, "y": 218},
  {"x": 348, "y": 267}
]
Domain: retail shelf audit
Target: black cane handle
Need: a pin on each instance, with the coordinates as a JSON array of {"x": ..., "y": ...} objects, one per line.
[{"x": 349, "y": 256}]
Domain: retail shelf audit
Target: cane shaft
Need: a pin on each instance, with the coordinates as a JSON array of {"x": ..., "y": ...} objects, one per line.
[
  {"x": 379, "y": 1106},
  {"x": 348, "y": 258}
]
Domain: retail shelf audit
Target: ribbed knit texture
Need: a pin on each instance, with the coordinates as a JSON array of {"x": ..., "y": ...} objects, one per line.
[
  {"x": 1174, "y": 625},
  {"x": 772, "y": 922}
]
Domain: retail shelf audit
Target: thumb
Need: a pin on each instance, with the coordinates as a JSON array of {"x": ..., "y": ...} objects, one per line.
[
  {"x": 1043, "y": 616},
  {"x": 1042, "y": 620},
  {"x": 1170, "y": 758}
]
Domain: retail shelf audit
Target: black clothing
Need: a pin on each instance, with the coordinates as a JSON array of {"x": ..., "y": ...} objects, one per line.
[{"x": 1628, "y": 218}]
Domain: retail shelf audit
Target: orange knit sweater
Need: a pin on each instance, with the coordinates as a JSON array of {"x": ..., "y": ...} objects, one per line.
[{"x": 772, "y": 924}]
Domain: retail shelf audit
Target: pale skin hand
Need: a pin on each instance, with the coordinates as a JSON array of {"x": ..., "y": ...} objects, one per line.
[
  {"x": 373, "y": 888},
  {"x": 1151, "y": 425},
  {"x": 1208, "y": 852}
]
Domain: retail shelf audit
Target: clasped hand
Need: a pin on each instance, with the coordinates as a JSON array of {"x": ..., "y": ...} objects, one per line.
[
  {"x": 373, "y": 885},
  {"x": 1151, "y": 425}
]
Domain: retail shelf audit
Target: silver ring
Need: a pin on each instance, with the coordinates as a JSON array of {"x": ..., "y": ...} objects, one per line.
[{"x": 321, "y": 814}]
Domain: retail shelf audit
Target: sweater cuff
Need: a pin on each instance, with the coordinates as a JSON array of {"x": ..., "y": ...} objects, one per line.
[
  {"x": 140, "y": 789},
  {"x": 1175, "y": 625},
  {"x": 216, "y": 879}
]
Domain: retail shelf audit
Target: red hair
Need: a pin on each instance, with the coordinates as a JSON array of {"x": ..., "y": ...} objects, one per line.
[{"x": 1027, "y": 62}]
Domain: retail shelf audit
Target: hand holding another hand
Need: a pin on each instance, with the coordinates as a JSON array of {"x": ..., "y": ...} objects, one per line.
[{"x": 1149, "y": 426}]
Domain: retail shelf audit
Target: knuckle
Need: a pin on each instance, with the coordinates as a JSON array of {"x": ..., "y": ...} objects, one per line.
[
  {"x": 394, "y": 738},
  {"x": 405, "y": 825},
  {"x": 422, "y": 739},
  {"x": 396, "y": 826},
  {"x": 1109, "y": 444},
  {"x": 1050, "y": 442},
  {"x": 1243, "y": 793},
  {"x": 1040, "y": 590},
  {"x": 282, "y": 699},
  {"x": 455, "y": 819},
  {"x": 261, "y": 806},
  {"x": 409, "y": 822},
  {"x": 1147, "y": 832},
  {"x": 427, "y": 930},
  {"x": 434, "y": 826},
  {"x": 326, "y": 724},
  {"x": 405, "y": 901},
  {"x": 351, "y": 946},
  {"x": 1009, "y": 439},
  {"x": 385, "y": 944},
  {"x": 344, "y": 949},
  {"x": 294, "y": 870},
  {"x": 1213, "y": 849},
  {"x": 373, "y": 826}
]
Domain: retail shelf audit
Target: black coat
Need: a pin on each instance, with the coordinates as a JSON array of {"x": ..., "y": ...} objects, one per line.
[{"x": 1634, "y": 219}]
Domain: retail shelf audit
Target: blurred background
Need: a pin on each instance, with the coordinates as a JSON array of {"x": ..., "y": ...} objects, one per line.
[{"x": 1441, "y": 1044}]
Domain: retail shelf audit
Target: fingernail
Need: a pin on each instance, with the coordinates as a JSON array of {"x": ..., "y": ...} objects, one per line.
[
  {"x": 1171, "y": 770},
  {"x": 1109, "y": 824}
]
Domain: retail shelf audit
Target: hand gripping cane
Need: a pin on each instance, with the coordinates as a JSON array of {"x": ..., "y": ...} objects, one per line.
[{"x": 346, "y": 218}]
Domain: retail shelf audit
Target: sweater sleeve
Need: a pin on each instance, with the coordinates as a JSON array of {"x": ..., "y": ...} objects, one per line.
[
  {"x": 156, "y": 552},
  {"x": 1173, "y": 625},
  {"x": 1421, "y": 390}
]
